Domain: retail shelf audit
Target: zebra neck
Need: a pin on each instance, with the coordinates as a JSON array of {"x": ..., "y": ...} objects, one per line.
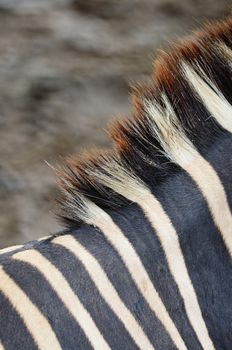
[{"x": 179, "y": 118}]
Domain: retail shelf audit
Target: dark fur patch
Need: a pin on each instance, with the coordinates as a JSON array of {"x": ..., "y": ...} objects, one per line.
[{"x": 136, "y": 148}]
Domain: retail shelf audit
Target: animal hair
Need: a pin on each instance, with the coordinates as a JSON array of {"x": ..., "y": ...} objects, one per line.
[{"x": 182, "y": 110}]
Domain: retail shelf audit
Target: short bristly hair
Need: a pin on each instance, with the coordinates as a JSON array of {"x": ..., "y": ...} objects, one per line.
[{"x": 183, "y": 109}]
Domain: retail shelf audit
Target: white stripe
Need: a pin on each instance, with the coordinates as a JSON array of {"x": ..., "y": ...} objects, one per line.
[
  {"x": 211, "y": 96},
  {"x": 199, "y": 169},
  {"x": 66, "y": 294},
  {"x": 10, "y": 249},
  {"x": 43, "y": 238},
  {"x": 1, "y": 346},
  {"x": 136, "y": 191},
  {"x": 181, "y": 151},
  {"x": 34, "y": 320},
  {"x": 209, "y": 183},
  {"x": 106, "y": 289},
  {"x": 170, "y": 243},
  {"x": 139, "y": 274}
]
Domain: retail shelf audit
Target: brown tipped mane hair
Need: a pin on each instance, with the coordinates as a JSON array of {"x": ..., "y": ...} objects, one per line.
[{"x": 136, "y": 147}]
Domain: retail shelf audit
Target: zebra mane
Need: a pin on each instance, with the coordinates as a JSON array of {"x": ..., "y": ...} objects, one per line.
[{"x": 183, "y": 109}]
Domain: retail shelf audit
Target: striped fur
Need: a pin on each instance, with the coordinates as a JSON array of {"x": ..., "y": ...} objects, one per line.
[{"x": 145, "y": 262}]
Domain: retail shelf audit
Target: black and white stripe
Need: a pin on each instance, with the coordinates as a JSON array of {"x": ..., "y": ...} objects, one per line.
[{"x": 146, "y": 261}]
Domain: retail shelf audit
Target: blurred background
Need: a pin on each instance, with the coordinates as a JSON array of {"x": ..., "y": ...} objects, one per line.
[{"x": 65, "y": 70}]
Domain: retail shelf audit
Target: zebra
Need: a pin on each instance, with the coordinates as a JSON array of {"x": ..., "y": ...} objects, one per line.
[{"x": 144, "y": 261}]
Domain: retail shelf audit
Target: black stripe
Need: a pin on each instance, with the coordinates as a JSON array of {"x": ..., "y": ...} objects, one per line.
[
  {"x": 118, "y": 274},
  {"x": 142, "y": 236},
  {"x": 206, "y": 257},
  {"x": 13, "y": 332},
  {"x": 107, "y": 322},
  {"x": 220, "y": 157},
  {"x": 40, "y": 292}
]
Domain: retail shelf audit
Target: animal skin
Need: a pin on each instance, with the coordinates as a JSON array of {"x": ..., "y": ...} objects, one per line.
[{"x": 145, "y": 259}]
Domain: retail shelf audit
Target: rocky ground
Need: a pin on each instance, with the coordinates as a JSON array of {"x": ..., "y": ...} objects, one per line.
[{"x": 65, "y": 70}]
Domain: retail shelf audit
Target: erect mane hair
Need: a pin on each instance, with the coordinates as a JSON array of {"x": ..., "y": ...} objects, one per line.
[{"x": 168, "y": 117}]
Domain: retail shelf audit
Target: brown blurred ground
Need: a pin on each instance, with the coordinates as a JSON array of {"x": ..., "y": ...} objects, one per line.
[{"x": 65, "y": 68}]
